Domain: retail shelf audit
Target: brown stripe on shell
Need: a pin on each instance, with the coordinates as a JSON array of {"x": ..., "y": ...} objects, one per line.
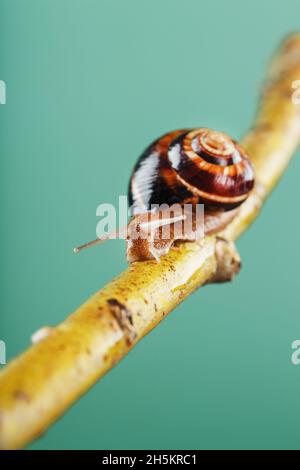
[{"x": 225, "y": 183}]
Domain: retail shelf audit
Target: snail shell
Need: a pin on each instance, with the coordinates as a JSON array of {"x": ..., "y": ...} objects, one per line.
[
  {"x": 198, "y": 166},
  {"x": 192, "y": 166}
]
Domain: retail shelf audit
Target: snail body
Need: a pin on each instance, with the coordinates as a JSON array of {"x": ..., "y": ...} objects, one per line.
[
  {"x": 152, "y": 244},
  {"x": 188, "y": 166}
]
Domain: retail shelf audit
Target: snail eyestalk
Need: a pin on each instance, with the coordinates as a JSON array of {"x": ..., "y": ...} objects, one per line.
[
  {"x": 152, "y": 224},
  {"x": 95, "y": 242},
  {"x": 122, "y": 233}
]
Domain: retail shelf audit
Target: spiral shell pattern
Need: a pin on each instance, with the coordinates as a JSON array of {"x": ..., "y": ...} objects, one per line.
[{"x": 191, "y": 166}]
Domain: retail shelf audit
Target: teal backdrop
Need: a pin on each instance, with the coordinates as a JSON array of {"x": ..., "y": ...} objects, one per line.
[{"x": 89, "y": 85}]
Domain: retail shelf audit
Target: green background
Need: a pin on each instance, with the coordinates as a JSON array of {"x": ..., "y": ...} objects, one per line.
[{"x": 89, "y": 85}]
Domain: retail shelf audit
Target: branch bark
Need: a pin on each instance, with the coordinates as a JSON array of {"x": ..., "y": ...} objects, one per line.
[{"x": 38, "y": 387}]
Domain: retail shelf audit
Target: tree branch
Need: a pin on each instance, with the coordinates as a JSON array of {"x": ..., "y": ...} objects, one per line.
[{"x": 37, "y": 387}]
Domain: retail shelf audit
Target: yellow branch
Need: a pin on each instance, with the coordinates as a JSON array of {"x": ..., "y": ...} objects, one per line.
[{"x": 38, "y": 387}]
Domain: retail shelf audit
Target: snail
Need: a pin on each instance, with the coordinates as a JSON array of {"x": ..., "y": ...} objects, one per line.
[{"x": 184, "y": 169}]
